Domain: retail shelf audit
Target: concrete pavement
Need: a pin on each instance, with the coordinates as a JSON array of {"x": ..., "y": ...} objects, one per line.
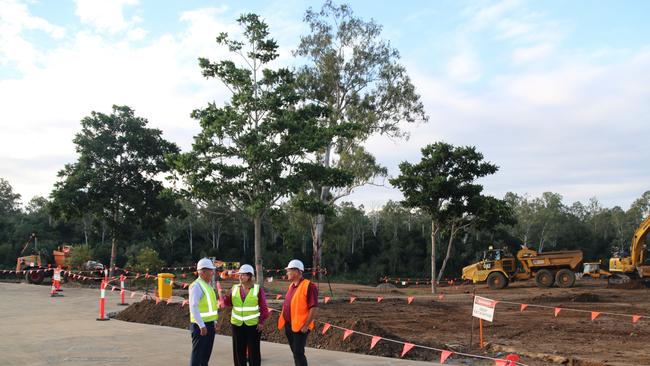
[{"x": 38, "y": 330}]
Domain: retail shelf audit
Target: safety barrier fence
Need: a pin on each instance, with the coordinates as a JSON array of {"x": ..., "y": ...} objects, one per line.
[
  {"x": 445, "y": 354},
  {"x": 557, "y": 310}
]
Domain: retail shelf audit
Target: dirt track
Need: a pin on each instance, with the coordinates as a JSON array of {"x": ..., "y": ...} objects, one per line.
[{"x": 536, "y": 335}]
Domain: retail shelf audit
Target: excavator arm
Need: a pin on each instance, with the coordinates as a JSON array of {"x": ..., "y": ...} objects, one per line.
[
  {"x": 31, "y": 238},
  {"x": 638, "y": 241},
  {"x": 625, "y": 267}
]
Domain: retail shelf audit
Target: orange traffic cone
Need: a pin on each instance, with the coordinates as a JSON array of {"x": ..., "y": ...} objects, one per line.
[{"x": 53, "y": 292}]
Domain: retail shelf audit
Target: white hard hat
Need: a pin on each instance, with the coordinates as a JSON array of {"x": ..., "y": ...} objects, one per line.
[
  {"x": 295, "y": 263},
  {"x": 205, "y": 263},
  {"x": 247, "y": 268}
]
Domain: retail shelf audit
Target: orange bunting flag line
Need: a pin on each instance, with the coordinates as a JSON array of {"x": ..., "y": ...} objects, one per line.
[
  {"x": 557, "y": 311},
  {"x": 441, "y": 297},
  {"x": 594, "y": 315},
  {"x": 352, "y": 298},
  {"x": 185, "y": 302},
  {"x": 278, "y": 296},
  {"x": 326, "y": 299},
  {"x": 325, "y": 328},
  {"x": 444, "y": 356},
  {"x": 374, "y": 341},
  {"x": 523, "y": 307},
  {"x": 379, "y": 298},
  {"x": 407, "y": 347},
  {"x": 112, "y": 288},
  {"x": 132, "y": 294},
  {"x": 347, "y": 333},
  {"x": 169, "y": 301},
  {"x": 635, "y": 318},
  {"x": 157, "y": 300},
  {"x": 410, "y": 299},
  {"x": 185, "y": 285}
]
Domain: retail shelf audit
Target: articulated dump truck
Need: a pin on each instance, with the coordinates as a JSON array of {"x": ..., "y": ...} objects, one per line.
[{"x": 498, "y": 268}]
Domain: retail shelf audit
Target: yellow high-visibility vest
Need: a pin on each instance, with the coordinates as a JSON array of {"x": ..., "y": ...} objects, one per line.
[{"x": 208, "y": 306}]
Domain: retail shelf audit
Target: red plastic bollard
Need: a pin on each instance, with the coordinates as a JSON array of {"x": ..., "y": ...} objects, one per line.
[
  {"x": 101, "y": 302},
  {"x": 122, "y": 291},
  {"x": 56, "y": 279}
]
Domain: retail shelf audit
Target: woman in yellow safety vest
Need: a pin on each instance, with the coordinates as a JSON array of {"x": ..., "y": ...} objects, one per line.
[{"x": 249, "y": 311}]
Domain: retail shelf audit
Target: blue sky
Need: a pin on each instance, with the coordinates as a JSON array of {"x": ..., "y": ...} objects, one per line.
[{"x": 554, "y": 92}]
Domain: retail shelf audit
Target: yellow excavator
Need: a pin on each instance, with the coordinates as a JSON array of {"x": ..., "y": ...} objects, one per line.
[{"x": 628, "y": 267}]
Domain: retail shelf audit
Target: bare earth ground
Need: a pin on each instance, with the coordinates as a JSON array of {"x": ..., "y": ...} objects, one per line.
[{"x": 535, "y": 334}]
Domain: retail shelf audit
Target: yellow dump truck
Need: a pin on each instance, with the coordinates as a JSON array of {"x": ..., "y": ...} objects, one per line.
[{"x": 498, "y": 267}]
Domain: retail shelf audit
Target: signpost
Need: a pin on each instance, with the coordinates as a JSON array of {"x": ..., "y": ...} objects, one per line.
[{"x": 484, "y": 310}]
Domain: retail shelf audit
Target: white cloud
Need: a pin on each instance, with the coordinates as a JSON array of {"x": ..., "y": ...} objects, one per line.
[
  {"x": 15, "y": 19},
  {"x": 533, "y": 54},
  {"x": 464, "y": 66},
  {"x": 561, "y": 121},
  {"x": 106, "y": 15},
  {"x": 161, "y": 80},
  {"x": 576, "y": 127}
]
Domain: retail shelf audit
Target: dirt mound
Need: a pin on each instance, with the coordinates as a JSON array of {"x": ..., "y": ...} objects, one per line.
[
  {"x": 148, "y": 312},
  {"x": 583, "y": 297},
  {"x": 173, "y": 315},
  {"x": 386, "y": 287}
]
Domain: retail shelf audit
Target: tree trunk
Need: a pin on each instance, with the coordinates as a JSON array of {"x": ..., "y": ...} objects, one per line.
[
  {"x": 317, "y": 242},
  {"x": 189, "y": 234},
  {"x": 259, "y": 269},
  {"x": 433, "y": 256},
  {"x": 83, "y": 220},
  {"x": 113, "y": 254},
  {"x": 219, "y": 228},
  {"x": 103, "y": 232},
  {"x": 319, "y": 225},
  {"x": 113, "y": 245},
  {"x": 449, "y": 244}
]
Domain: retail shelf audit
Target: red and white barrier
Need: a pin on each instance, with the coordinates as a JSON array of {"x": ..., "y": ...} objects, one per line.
[
  {"x": 56, "y": 279},
  {"x": 102, "y": 296},
  {"x": 122, "y": 290}
]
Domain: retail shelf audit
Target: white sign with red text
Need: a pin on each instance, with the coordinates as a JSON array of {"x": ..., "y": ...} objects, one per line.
[{"x": 484, "y": 308}]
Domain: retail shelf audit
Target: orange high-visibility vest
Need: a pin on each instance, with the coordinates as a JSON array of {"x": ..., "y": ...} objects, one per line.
[{"x": 299, "y": 309}]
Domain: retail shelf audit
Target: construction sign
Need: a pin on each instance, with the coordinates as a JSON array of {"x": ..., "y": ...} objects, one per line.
[{"x": 484, "y": 308}]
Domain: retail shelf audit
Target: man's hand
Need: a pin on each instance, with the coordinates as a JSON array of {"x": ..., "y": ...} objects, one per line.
[
  {"x": 204, "y": 331},
  {"x": 305, "y": 329}
]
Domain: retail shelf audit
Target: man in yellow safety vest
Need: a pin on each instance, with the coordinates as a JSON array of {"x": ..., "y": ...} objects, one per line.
[{"x": 204, "y": 308}]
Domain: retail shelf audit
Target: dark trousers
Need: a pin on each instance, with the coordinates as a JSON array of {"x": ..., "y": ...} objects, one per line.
[
  {"x": 201, "y": 345},
  {"x": 297, "y": 342},
  {"x": 244, "y": 338}
]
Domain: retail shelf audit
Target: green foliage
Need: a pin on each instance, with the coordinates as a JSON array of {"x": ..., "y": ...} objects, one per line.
[
  {"x": 443, "y": 184},
  {"x": 251, "y": 151},
  {"x": 9, "y": 200},
  {"x": 115, "y": 178},
  {"x": 80, "y": 255},
  {"x": 354, "y": 72},
  {"x": 256, "y": 149},
  {"x": 147, "y": 260}
]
